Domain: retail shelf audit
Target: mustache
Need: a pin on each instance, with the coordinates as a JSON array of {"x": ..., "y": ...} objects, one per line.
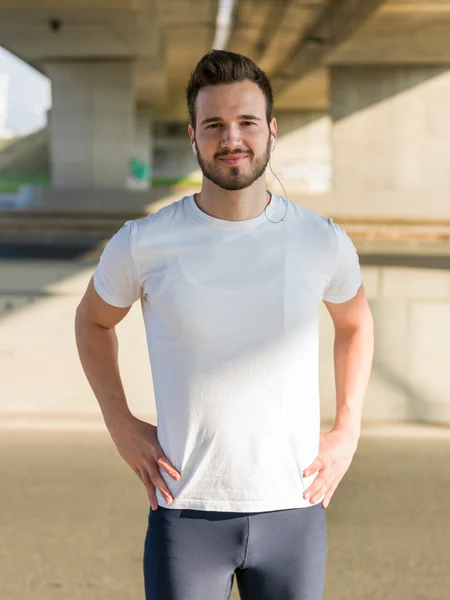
[{"x": 239, "y": 152}]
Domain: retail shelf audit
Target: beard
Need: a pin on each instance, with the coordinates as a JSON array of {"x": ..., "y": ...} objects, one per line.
[{"x": 236, "y": 178}]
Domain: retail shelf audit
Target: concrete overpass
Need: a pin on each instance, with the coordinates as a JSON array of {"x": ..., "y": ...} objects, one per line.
[
  {"x": 362, "y": 102},
  {"x": 362, "y": 96},
  {"x": 362, "y": 90}
]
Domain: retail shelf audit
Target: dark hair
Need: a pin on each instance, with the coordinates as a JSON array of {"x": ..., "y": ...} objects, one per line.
[{"x": 219, "y": 67}]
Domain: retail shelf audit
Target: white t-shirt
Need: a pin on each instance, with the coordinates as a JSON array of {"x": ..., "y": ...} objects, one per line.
[{"x": 231, "y": 317}]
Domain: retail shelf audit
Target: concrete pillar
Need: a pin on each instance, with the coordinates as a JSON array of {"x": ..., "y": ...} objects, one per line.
[
  {"x": 391, "y": 139},
  {"x": 141, "y": 173},
  {"x": 91, "y": 127}
]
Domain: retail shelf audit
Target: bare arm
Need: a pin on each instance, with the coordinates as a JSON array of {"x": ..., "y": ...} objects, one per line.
[
  {"x": 353, "y": 356},
  {"x": 97, "y": 344},
  {"x": 136, "y": 441}
]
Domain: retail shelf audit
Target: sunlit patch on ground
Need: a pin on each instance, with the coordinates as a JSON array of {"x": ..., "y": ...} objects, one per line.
[{"x": 73, "y": 517}]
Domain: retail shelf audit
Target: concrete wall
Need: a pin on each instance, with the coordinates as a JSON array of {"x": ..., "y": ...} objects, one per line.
[
  {"x": 391, "y": 139},
  {"x": 302, "y": 158},
  {"x": 41, "y": 373},
  {"x": 411, "y": 310}
]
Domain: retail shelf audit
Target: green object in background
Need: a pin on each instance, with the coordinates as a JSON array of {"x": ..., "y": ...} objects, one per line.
[
  {"x": 11, "y": 184},
  {"x": 140, "y": 169}
]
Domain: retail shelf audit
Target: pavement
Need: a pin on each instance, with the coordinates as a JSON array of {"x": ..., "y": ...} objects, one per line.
[{"x": 73, "y": 516}]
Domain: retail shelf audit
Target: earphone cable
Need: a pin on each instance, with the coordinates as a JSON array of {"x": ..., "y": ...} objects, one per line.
[{"x": 286, "y": 198}]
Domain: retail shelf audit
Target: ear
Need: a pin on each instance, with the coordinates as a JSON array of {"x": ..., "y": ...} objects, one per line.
[
  {"x": 191, "y": 133},
  {"x": 273, "y": 127}
]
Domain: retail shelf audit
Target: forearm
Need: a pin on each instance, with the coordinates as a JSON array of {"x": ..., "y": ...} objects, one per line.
[
  {"x": 353, "y": 356},
  {"x": 98, "y": 351}
]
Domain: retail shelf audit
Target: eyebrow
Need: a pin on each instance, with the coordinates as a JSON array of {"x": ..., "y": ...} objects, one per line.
[{"x": 214, "y": 119}]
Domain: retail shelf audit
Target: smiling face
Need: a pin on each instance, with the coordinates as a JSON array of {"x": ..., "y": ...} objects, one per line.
[{"x": 232, "y": 135}]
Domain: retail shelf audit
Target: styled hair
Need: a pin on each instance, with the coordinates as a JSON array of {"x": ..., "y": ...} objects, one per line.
[{"x": 221, "y": 67}]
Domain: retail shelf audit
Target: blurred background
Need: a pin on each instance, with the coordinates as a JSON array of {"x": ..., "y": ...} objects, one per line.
[{"x": 93, "y": 132}]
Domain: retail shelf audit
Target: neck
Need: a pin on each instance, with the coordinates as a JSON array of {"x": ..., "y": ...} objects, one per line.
[{"x": 236, "y": 205}]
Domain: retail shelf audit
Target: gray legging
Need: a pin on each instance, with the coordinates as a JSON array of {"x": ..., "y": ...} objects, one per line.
[{"x": 275, "y": 555}]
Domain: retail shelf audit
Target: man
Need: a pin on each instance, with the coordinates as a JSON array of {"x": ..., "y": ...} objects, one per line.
[{"x": 230, "y": 279}]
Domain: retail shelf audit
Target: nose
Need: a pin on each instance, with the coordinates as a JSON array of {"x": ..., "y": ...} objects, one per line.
[{"x": 231, "y": 138}]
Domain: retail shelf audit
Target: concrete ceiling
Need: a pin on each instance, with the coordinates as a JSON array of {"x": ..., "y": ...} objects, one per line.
[
  {"x": 267, "y": 31},
  {"x": 293, "y": 40},
  {"x": 400, "y": 32},
  {"x": 187, "y": 28},
  {"x": 99, "y": 29},
  {"x": 397, "y": 32},
  {"x": 310, "y": 92},
  {"x": 164, "y": 38},
  {"x": 290, "y": 40}
]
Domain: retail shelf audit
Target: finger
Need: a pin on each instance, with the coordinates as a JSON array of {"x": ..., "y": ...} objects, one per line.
[
  {"x": 319, "y": 482},
  {"x": 330, "y": 492},
  {"x": 315, "y": 491},
  {"x": 316, "y": 466},
  {"x": 319, "y": 494},
  {"x": 145, "y": 478},
  {"x": 138, "y": 473},
  {"x": 157, "y": 479},
  {"x": 165, "y": 463}
]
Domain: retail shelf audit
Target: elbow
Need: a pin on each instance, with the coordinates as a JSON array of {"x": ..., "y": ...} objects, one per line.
[{"x": 363, "y": 327}]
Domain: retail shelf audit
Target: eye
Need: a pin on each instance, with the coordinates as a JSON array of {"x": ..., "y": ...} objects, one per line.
[
  {"x": 213, "y": 126},
  {"x": 248, "y": 123}
]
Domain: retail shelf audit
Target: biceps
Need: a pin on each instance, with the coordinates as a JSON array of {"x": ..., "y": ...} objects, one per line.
[
  {"x": 351, "y": 314},
  {"x": 93, "y": 309}
]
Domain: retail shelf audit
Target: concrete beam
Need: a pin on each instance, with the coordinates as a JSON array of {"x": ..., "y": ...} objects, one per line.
[
  {"x": 285, "y": 27},
  {"x": 337, "y": 22}
]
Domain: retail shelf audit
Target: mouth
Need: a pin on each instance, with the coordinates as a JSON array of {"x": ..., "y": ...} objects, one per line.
[{"x": 234, "y": 160}]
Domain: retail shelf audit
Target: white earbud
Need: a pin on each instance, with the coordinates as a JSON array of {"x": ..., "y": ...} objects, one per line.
[
  {"x": 272, "y": 142},
  {"x": 194, "y": 149}
]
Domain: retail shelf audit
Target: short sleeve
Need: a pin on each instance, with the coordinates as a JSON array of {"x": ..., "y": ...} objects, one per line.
[
  {"x": 115, "y": 278},
  {"x": 345, "y": 277}
]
